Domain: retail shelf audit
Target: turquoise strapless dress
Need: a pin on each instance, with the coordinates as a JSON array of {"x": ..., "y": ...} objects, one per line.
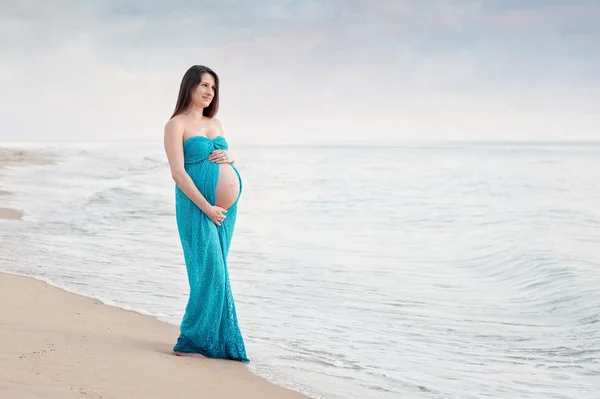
[{"x": 209, "y": 325}]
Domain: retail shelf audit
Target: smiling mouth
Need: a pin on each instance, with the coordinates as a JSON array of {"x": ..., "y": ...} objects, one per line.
[{"x": 207, "y": 98}]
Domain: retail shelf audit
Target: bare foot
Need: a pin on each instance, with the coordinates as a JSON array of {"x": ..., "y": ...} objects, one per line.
[{"x": 189, "y": 354}]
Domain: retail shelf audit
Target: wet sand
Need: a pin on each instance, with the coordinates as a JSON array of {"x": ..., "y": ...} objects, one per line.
[{"x": 58, "y": 345}]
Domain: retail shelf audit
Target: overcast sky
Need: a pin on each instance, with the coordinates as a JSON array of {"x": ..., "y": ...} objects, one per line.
[{"x": 304, "y": 70}]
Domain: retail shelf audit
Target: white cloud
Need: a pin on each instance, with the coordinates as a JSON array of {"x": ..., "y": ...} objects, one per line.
[{"x": 326, "y": 70}]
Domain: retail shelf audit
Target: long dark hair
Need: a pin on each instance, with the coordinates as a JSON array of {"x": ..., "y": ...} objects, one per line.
[{"x": 191, "y": 79}]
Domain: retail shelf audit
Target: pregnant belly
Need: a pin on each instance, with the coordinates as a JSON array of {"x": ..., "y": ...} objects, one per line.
[{"x": 228, "y": 186}]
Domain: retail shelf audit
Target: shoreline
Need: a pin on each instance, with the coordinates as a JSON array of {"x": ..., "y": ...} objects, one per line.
[
  {"x": 57, "y": 344},
  {"x": 16, "y": 157},
  {"x": 8, "y": 213}
]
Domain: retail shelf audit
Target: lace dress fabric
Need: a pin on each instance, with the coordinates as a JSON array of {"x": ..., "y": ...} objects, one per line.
[{"x": 209, "y": 325}]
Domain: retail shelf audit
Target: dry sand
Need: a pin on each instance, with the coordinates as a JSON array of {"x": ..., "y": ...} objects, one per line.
[{"x": 58, "y": 345}]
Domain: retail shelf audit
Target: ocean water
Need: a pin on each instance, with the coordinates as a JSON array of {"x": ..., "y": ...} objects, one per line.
[{"x": 418, "y": 270}]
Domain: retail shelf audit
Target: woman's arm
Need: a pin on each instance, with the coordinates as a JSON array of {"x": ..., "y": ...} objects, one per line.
[{"x": 174, "y": 148}]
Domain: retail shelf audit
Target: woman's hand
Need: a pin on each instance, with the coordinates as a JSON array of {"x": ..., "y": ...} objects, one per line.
[
  {"x": 219, "y": 156},
  {"x": 216, "y": 214}
]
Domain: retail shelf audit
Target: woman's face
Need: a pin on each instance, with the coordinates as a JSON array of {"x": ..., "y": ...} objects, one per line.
[{"x": 205, "y": 91}]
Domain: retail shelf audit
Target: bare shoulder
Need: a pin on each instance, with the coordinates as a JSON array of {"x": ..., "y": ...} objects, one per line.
[
  {"x": 174, "y": 127},
  {"x": 217, "y": 125},
  {"x": 216, "y": 122}
]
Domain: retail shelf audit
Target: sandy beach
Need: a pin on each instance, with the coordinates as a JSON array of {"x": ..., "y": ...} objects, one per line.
[
  {"x": 8, "y": 213},
  {"x": 54, "y": 344},
  {"x": 57, "y": 345},
  {"x": 15, "y": 157}
]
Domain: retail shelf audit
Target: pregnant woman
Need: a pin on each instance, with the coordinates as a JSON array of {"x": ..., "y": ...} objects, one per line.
[{"x": 207, "y": 190}]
